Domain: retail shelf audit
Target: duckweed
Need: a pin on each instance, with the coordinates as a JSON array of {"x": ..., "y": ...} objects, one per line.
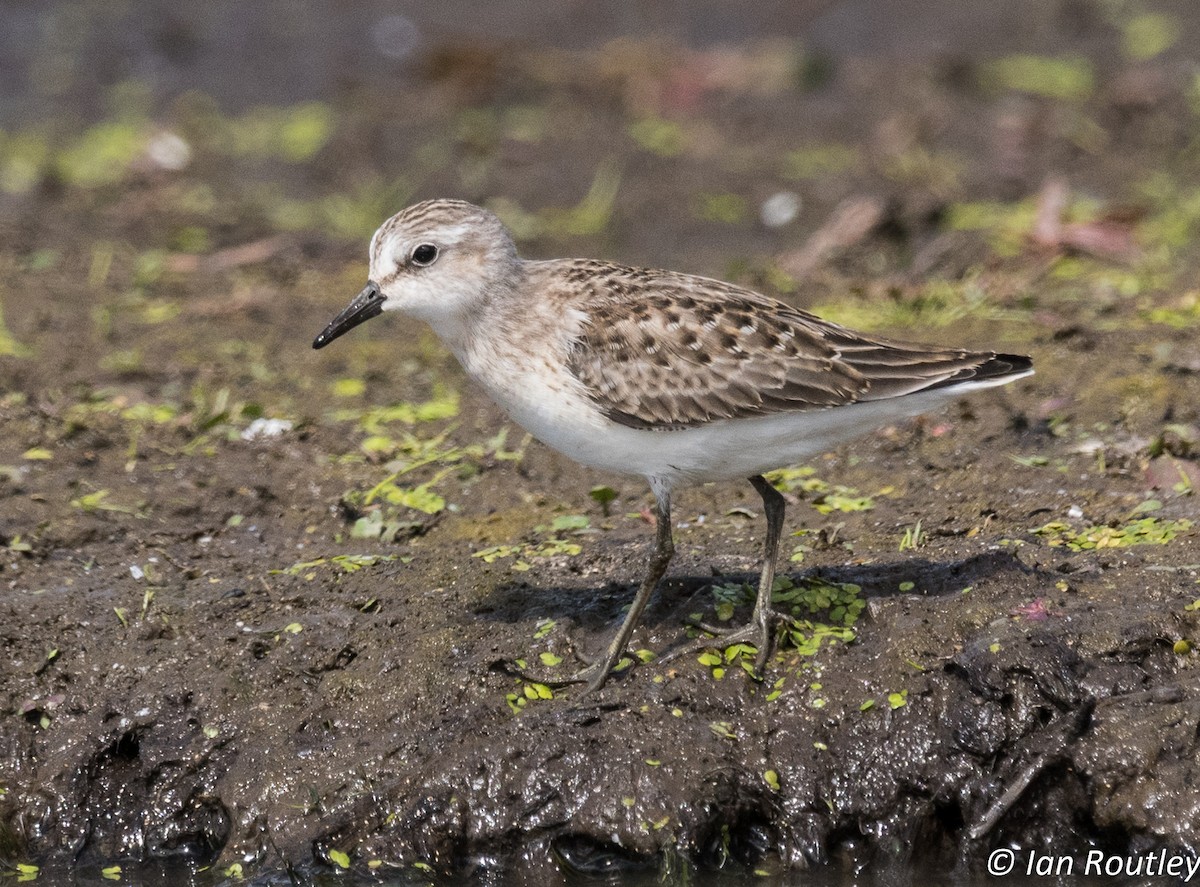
[{"x": 1144, "y": 531}]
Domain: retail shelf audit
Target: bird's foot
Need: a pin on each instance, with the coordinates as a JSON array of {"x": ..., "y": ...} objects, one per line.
[
  {"x": 756, "y": 633},
  {"x": 592, "y": 675}
]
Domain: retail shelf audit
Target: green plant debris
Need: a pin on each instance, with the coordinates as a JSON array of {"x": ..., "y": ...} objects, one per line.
[
  {"x": 204, "y": 416},
  {"x": 1070, "y": 78},
  {"x": 98, "y": 501},
  {"x": 566, "y": 523},
  {"x": 867, "y": 705},
  {"x": 797, "y": 478},
  {"x": 347, "y": 563},
  {"x": 351, "y": 213},
  {"x": 531, "y": 691},
  {"x": 741, "y": 654},
  {"x": 525, "y": 551},
  {"x": 829, "y": 497},
  {"x": 912, "y": 538},
  {"x": 384, "y": 511},
  {"x": 723, "y": 207},
  {"x": 934, "y": 303},
  {"x": 348, "y": 387},
  {"x": 24, "y": 159},
  {"x": 544, "y": 627},
  {"x": 1180, "y": 312},
  {"x": 10, "y": 347},
  {"x": 37, "y": 454},
  {"x": 376, "y": 524},
  {"x": 727, "y": 596},
  {"x": 836, "y": 606},
  {"x": 1034, "y": 461},
  {"x": 374, "y": 420},
  {"x": 103, "y": 154},
  {"x": 293, "y": 134},
  {"x": 1149, "y": 34},
  {"x": 1143, "y": 531},
  {"x": 604, "y": 497},
  {"x": 939, "y": 172},
  {"x": 776, "y": 689},
  {"x": 819, "y": 161},
  {"x": 839, "y": 601},
  {"x": 842, "y": 499},
  {"x": 593, "y": 214},
  {"x": 1007, "y": 225},
  {"x": 665, "y": 138},
  {"x": 419, "y": 498},
  {"x": 724, "y": 729}
]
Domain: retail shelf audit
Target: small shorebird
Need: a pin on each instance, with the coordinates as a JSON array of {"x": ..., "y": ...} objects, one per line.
[{"x": 676, "y": 378}]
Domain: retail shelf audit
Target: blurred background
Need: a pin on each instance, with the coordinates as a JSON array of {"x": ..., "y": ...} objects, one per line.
[
  {"x": 710, "y": 135},
  {"x": 870, "y": 159}
]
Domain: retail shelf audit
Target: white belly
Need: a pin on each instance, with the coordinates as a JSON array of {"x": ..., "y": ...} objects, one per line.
[{"x": 557, "y": 414}]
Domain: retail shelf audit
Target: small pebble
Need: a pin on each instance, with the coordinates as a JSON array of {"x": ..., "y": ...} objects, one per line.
[{"x": 779, "y": 209}]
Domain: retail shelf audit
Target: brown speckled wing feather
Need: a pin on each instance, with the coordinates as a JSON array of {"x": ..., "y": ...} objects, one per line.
[{"x": 661, "y": 350}]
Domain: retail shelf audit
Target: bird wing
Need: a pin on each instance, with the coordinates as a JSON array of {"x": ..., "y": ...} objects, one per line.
[{"x": 660, "y": 350}]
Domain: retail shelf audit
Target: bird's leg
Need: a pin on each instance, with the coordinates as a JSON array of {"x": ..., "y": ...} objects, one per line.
[
  {"x": 664, "y": 548},
  {"x": 774, "y": 506},
  {"x": 758, "y": 630}
]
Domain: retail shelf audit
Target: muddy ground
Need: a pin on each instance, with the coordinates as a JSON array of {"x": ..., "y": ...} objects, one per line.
[{"x": 258, "y": 647}]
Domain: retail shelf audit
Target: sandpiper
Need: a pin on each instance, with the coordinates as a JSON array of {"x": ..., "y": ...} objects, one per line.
[{"x": 676, "y": 378}]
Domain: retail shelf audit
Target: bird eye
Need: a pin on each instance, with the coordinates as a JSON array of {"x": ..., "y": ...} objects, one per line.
[{"x": 425, "y": 254}]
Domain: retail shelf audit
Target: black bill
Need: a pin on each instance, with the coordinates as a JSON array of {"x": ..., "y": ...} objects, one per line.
[{"x": 366, "y": 305}]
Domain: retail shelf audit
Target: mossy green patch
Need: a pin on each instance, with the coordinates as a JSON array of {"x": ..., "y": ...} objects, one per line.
[
  {"x": 723, "y": 207},
  {"x": 819, "y": 161},
  {"x": 9, "y": 346},
  {"x": 1149, "y": 34},
  {"x": 1069, "y": 78},
  {"x": 829, "y": 497},
  {"x": 526, "y": 551},
  {"x": 1143, "y": 531},
  {"x": 666, "y": 138},
  {"x": 820, "y": 613},
  {"x": 346, "y": 563}
]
